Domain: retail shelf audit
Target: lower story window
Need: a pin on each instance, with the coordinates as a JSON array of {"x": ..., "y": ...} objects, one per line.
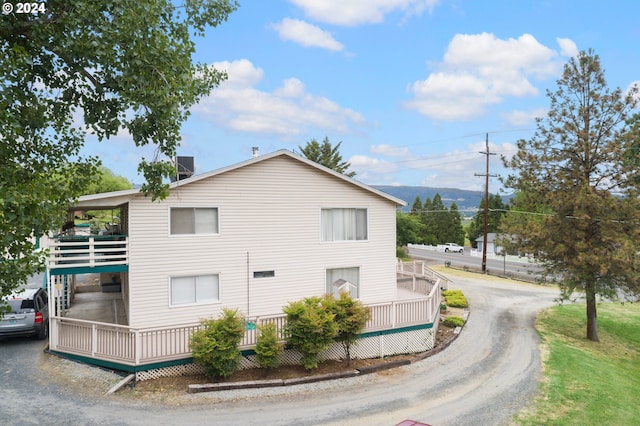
[
  {"x": 343, "y": 279},
  {"x": 195, "y": 289}
]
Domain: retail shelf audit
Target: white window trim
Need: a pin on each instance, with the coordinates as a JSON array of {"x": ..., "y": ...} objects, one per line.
[
  {"x": 322, "y": 241},
  {"x": 212, "y": 234},
  {"x": 207, "y": 303}
]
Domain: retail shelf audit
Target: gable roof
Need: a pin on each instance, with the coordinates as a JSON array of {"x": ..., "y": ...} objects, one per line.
[{"x": 108, "y": 199}]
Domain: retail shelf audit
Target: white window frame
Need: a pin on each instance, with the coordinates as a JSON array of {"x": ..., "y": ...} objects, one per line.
[
  {"x": 195, "y": 231},
  {"x": 174, "y": 281},
  {"x": 338, "y": 214},
  {"x": 345, "y": 273}
]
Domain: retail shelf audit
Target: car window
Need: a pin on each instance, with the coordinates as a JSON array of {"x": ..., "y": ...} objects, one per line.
[{"x": 20, "y": 306}]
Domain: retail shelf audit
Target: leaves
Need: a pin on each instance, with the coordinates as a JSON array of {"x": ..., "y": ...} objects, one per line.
[{"x": 90, "y": 67}]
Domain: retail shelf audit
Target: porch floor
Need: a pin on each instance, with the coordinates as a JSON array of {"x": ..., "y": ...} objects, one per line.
[{"x": 99, "y": 307}]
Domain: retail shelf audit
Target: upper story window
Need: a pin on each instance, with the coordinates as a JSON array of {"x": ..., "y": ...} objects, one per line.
[
  {"x": 344, "y": 224},
  {"x": 193, "y": 220}
]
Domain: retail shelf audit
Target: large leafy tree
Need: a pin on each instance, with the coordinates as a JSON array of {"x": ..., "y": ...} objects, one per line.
[
  {"x": 328, "y": 155},
  {"x": 576, "y": 171},
  {"x": 107, "y": 181},
  {"x": 90, "y": 67}
]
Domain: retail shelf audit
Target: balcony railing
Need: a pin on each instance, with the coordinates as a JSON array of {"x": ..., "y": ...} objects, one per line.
[{"x": 80, "y": 251}]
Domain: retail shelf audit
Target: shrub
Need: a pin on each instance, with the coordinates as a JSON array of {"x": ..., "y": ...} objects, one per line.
[
  {"x": 351, "y": 316},
  {"x": 401, "y": 253},
  {"x": 457, "y": 302},
  {"x": 455, "y": 298},
  {"x": 216, "y": 345},
  {"x": 268, "y": 349},
  {"x": 453, "y": 322},
  {"x": 310, "y": 328}
]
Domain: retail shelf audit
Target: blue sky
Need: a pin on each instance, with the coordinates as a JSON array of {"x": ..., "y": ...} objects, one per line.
[{"x": 410, "y": 87}]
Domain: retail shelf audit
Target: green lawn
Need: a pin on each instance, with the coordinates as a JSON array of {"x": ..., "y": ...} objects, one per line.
[{"x": 588, "y": 383}]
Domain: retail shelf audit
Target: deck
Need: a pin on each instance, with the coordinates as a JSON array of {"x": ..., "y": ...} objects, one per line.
[{"x": 94, "y": 327}]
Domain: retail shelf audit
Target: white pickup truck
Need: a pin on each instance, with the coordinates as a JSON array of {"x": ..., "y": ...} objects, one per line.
[{"x": 451, "y": 248}]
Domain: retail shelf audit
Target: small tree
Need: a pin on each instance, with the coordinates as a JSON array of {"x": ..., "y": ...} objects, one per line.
[
  {"x": 216, "y": 345},
  {"x": 268, "y": 348},
  {"x": 310, "y": 328},
  {"x": 351, "y": 316}
]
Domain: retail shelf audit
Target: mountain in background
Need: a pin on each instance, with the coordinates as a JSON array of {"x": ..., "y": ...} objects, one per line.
[{"x": 467, "y": 201}]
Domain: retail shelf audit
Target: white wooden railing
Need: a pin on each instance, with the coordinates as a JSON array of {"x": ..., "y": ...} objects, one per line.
[
  {"x": 74, "y": 252},
  {"x": 131, "y": 346}
]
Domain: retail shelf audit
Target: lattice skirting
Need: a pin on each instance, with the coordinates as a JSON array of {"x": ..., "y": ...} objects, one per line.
[{"x": 369, "y": 346}]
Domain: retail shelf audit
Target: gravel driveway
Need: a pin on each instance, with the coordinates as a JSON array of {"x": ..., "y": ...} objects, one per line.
[{"x": 487, "y": 375}]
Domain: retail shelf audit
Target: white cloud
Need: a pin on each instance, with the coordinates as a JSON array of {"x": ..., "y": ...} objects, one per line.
[
  {"x": 306, "y": 35},
  {"x": 524, "y": 118},
  {"x": 356, "y": 12},
  {"x": 567, "y": 47},
  {"x": 286, "y": 111},
  {"x": 390, "y": 150},
  {"x": 634, "y": 85},
  {"x": 481, "y": 70}
]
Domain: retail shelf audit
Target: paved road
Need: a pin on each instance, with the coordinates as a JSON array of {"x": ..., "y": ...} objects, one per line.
[
  {"x": 489, "y": 373},
  {"x": 497, "y": 264}
]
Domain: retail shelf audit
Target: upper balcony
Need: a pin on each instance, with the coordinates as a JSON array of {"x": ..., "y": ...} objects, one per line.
[{"x": 76, "y": 254}]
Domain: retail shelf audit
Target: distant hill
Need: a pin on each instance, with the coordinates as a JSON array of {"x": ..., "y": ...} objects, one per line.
[{"x": 467, "y": 201}]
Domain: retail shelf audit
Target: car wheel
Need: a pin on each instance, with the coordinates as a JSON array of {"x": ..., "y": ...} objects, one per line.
[{"x": 44, "y": 332}]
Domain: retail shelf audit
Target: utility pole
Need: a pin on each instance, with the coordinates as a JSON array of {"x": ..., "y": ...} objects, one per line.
[{"x": 486, "y": 203}]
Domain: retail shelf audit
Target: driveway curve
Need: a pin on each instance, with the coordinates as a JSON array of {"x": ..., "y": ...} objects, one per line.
[{"x": 485, "y": 376}]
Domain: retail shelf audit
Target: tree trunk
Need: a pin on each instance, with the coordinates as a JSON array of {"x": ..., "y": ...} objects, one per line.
[{"x": 592, "y": 315}]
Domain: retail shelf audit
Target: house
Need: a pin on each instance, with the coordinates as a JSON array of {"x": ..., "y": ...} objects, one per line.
[
  {"x": 492, "y": 248},
  {"x": 253, "y": 236}
]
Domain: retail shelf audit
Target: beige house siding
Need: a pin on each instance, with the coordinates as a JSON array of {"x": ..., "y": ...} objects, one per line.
[{"x": 269, "y": 219}]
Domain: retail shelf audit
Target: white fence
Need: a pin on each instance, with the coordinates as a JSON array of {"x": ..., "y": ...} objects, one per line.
[
  {"x": 75, "y": 252},
  {"x": 131, "y": 346}
]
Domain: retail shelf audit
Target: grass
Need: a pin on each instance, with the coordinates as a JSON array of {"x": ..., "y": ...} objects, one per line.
[{"x": 588, "y": 383}]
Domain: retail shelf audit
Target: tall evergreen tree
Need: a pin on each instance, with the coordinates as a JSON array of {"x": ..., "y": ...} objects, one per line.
[
  {"x": 496, "y": 213},
  {"x": 454, "y": 231},
  {"x": 327, "y": 155},
  {"x": 576, "y": 168}
]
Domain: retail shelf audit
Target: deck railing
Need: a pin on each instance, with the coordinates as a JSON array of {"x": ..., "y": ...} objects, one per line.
[
  {"x": 88, "y": 251},
  {"x": 131, "y": 346}
]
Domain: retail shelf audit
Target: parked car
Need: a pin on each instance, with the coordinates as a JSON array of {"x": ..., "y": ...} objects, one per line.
[
  {"x": 453, "y": 247},
  {"x": 28, "y": 314}
]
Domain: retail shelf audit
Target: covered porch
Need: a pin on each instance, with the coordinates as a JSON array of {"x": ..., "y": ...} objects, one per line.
[{"x": 94, "y": 327}]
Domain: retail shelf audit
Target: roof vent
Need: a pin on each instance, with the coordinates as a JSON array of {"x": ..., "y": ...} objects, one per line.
[
  {"x": 184, "y": 168},
  {"x": 256, "y": 151}
]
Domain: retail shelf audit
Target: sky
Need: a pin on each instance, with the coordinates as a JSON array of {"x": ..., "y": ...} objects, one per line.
[{"x": 412, "y": 89}]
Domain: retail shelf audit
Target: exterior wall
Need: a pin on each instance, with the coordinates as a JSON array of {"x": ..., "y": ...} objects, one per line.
[{"x": 269, "y": 219}]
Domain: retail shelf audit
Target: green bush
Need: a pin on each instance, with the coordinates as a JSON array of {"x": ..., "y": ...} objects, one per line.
[
  {"x": 455, "y": 298},
  {"x": 216, "y": 345},
  {"x": 453, "y": 322},
  {"x": 457, "y": 302},
  {"x": 401, "y": 253},
  {"x": 268, "y": 349},
  {"x": 310, "y": 328},
  {"x": 351, "y": 316}
]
